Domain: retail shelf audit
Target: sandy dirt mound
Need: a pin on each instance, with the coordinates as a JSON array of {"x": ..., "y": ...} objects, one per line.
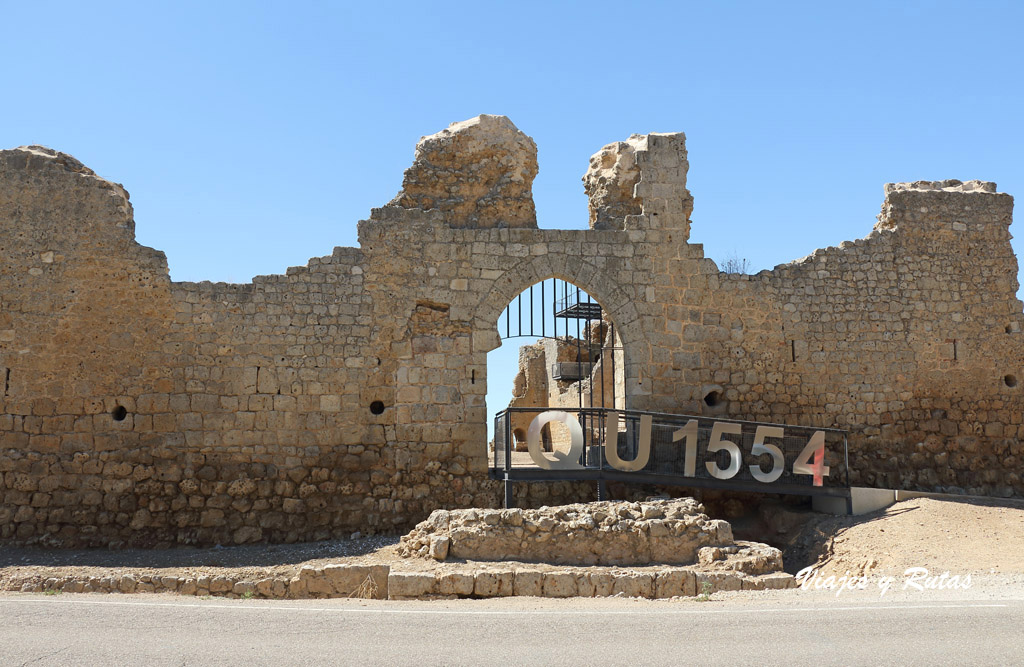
[{"x": 969, "y": 536}]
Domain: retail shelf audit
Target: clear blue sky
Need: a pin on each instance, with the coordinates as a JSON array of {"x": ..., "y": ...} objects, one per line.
[{"x": 253, "y": 136}]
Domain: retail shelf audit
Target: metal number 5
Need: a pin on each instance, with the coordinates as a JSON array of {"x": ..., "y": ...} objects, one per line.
[
  {"x": 717, "y": 443},
  {"x": 760, "y": 447}
]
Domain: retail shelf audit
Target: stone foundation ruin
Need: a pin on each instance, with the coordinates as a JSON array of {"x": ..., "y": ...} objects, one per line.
[
  {"x": 601, "y": 533},
  {"x": 348, "y": 394},
  {"x": 637, "y": 536}
]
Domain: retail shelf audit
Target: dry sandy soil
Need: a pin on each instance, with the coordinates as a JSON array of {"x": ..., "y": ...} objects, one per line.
[{"x": 968, "y": 536}]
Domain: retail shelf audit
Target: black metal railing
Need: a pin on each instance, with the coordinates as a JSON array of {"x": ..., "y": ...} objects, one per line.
[
  {"x": 577, "y": 304},
  {"x": 682, "y": 450},
  {"x": 551, "y": 308}
]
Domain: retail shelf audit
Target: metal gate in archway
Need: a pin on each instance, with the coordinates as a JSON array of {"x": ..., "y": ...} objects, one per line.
[{"x": 588, "y": 347}]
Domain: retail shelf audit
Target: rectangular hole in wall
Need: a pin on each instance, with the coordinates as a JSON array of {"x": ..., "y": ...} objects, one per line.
[
  {"x": 792, "y": 350},
  {"x": 7, "y": 380}
]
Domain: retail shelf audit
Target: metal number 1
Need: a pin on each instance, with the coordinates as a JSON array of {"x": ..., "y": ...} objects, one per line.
[{"x": 690, "y": 433}]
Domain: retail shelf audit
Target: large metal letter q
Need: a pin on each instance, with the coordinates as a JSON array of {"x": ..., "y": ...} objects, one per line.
[{"x": 562, "y": 460}]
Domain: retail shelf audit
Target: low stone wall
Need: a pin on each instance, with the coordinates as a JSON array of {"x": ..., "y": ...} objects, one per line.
[
  {"x": 742, "y": 567},
  {"x": 666, "y": 582},
  {"x": 329, "y": 581},
  {"x": 599, "y": 533}
]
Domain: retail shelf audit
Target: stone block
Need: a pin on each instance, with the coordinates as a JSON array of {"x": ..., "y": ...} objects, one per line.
[
  {"x": 455, "y": 583},
  {"x": 718, "y": 581},
  {"x": 314, "y": 583},
  {"x": 265, "y": 587},
  {"x": 559, "y": 585},
  {"x": 633, "y": 584},
  {"x": 221, "y": 584},
  {"x": 127, "y": 584},
  {"x": 296, "y": 588},
  {"x": 675, "y": 582},
  {"x": 528, "y": 583},
  {"x": 439, "y": 545},
  {"x": 244, "y": 588},
  {"x": 411, "y": 585},
  {"x": 488, "y": 584},
  {"x": 358, "y": 581},
  {"x": 773, "y": 581}
]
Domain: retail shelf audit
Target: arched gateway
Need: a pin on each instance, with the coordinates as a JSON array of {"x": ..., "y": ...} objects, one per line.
[{"x": 573, "y": 361}]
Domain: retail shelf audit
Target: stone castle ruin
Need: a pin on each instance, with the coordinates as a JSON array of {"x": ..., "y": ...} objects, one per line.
[{"x": 348, "y": 394}]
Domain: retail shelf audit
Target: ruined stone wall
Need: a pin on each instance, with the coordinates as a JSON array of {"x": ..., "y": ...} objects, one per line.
[
  {"x": 909, "y": 338},
  {"x": 349, "y": 394}
]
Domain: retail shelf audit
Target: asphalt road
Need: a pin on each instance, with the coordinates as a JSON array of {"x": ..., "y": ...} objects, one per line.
[{"x": 164, "y": 630}]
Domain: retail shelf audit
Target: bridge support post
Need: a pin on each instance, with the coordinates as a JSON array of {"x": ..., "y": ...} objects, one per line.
[{"x": 510, "y": 500}]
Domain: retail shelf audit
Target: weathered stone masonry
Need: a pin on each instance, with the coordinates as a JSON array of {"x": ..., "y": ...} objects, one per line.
[{"x": 349, "y": 394}]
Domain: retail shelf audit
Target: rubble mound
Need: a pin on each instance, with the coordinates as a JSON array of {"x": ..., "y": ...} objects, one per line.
[
  {"x": 602, "y": 533},
  {"x": 479, "y": 173}
]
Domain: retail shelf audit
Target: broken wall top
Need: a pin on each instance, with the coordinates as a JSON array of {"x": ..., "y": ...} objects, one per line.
[{"x": 477, "y": 173}]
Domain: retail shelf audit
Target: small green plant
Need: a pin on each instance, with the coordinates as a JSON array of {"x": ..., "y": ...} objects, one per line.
[
  {"x": 247, "y": 595},
  {"x": 705, "y": 591},
  {"x": 52, "y": 591}
]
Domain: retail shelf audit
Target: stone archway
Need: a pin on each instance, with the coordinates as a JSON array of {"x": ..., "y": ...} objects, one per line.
[
  {"x": 620, "y": 307},
  {"x": 610, "y": 381}
]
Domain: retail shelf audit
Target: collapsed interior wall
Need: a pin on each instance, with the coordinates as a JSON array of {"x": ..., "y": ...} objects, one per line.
[{"x": 349, "y": 394}]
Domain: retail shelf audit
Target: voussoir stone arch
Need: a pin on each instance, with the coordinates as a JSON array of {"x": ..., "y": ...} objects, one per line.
[{"x": 619, "y": 306}]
